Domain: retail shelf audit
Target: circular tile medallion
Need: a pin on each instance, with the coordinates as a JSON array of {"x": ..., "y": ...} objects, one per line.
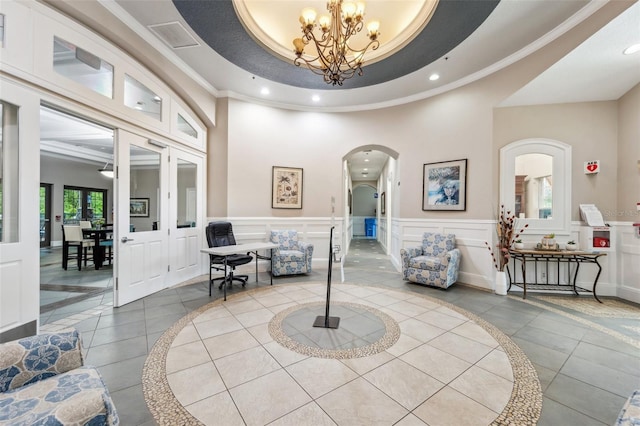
[{"x": 362, "y": 331}]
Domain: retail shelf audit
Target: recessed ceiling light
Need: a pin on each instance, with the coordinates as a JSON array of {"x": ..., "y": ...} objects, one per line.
[
  {"x": 632, "y": 49},
  {"x": 365, "y": 169},
  {"x": 434, "y": 77},
  {"x": 315, "y": 98},
  {"x": 366, "y": 160},
  {"x": 264, "y": 91}
]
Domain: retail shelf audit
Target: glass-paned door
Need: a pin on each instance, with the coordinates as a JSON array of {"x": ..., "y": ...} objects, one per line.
[
  {"x": 19, "y": 183},
  {"x": 186, "y": 213},
  {"x": 142, "y": 194}
]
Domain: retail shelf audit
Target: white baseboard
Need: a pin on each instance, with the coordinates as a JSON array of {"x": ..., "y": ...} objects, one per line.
[{"x": 628, "y": 293}]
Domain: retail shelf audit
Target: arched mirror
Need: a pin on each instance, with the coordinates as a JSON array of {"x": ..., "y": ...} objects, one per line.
[
  {"x": 535, "y": 182},
  {"x": 534, "y": 186}
]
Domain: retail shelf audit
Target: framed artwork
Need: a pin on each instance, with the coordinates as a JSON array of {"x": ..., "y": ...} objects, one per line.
[
  {"x": 286, "y": 188},
  {"x": 139, "y": 207},
  {"x": 444, "y": 185},
  {"x": 382, "y": 203}
]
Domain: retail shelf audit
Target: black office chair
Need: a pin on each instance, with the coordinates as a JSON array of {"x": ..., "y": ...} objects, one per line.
[{"x": 220, "y": 234}]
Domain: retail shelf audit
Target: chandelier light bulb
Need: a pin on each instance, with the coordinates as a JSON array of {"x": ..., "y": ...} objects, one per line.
[
  {"x": 298, "y": 43},
  {"x": 372, "y": 28},
  {"x": 308, "y": 17},
  {"x": 324, "y": 23},
  {"x": 348, "y": 11}
]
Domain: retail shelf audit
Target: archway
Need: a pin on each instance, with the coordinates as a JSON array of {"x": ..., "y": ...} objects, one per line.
[{"x": 374, "y": 166}]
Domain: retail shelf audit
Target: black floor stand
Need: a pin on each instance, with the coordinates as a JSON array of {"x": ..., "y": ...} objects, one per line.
[{"x": 327, "y": 321}]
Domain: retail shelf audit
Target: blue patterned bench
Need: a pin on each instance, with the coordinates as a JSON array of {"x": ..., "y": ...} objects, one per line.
[{"x": 43, "y": 382}]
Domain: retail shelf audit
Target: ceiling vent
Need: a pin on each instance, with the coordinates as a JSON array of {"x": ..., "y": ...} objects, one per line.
[{"x": 174, "y": 35}]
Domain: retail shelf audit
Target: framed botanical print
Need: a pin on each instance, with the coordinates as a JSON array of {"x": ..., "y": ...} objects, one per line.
[
  {"x": 445, "y": 185},
  {"x": 286, "y": 188}
]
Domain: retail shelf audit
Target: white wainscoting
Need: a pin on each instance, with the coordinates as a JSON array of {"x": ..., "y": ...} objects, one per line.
[
  {"x": 475, "y": 266},
  {"x": 315, "y": 230},
  {"x": 620, "y": 268},
  {"x": 628, "y": 267}
]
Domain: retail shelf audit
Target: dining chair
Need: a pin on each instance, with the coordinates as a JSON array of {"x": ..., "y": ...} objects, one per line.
[{"x": 72, "y": 237}]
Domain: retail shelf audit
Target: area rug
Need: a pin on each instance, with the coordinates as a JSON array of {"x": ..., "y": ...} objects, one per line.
[
  {"x": 167, "y": 404},
  {"x": 609, "y": 308}
]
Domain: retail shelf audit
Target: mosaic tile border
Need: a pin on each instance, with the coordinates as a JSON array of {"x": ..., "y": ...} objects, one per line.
[
  {"x": 631, "y": 341},
  {"x": 610, "y": 308},
  {"x": 524, "y": 406},
  {"x": 391, "y": 335}
]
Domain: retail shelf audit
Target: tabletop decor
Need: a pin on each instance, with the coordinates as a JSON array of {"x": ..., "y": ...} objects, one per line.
[
  {"x": 507, "y": 236},
  {"x": 549, "y": 242}
]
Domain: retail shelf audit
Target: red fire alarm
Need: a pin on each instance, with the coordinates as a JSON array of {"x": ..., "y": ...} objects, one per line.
[{"x": 591, "y": 167}]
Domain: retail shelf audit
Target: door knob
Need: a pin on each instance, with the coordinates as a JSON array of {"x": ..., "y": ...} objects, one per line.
[{"x": 125, "y": 239}]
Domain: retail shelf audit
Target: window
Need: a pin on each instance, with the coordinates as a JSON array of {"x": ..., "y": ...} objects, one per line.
[
  {"x": 84, "y": 204},
  {"x": 9, "y": 176},
  {"x": 187, "y": 194},
  {"x": 535, "y": 181},
  {"x": 186, "y": 128},
  {"x": 82, "y": 67},
  {"x": 145, "y": 207},
  {"x": 141, "y": 98}
]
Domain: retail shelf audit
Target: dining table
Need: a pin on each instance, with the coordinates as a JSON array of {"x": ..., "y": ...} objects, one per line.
[{"x": 98, "y": 234}]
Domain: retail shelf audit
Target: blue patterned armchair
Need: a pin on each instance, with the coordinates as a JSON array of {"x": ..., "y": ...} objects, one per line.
[
  {"x": 43, "y": 382},
  {"x": 435, "y": 263},
  {"x": 292, "y": 256}
]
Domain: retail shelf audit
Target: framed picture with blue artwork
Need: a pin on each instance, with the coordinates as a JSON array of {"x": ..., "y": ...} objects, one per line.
[{"x": 445, "y": 186}]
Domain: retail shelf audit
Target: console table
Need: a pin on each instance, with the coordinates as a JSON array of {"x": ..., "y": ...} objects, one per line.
[{"x": 557, "y": 257}]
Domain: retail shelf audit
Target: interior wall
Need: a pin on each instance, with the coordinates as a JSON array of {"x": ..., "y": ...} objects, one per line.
[
  {"x": 274, "y": 139},
  {"x": 217, "y": 162},
  {"x": 588, "y": 127},
  {"x": 628, "y": 164}
]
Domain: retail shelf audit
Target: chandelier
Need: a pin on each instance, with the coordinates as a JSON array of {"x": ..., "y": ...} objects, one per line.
[{"x": 336, "y": 60}]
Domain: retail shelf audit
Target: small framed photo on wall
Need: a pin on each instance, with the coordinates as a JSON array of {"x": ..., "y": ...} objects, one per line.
[
  {"x": 445, "y": 185},
  {"x": 286, "y": 188},
  {"x": 139, "y": 207}
]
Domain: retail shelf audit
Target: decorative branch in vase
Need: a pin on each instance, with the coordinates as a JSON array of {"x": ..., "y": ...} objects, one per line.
[{"x": 507, "y": 236}]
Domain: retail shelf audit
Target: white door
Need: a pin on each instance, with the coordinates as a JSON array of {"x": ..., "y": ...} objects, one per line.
[
  {"x": 19, "y": 211},
  {"x": 186, "y": 215},
  {"x": 142, "y": 219}
]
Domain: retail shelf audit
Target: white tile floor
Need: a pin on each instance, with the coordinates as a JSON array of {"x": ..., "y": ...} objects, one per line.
[
  {"x": 586, "y": 372},
  {"x": 444, "y": 365}
]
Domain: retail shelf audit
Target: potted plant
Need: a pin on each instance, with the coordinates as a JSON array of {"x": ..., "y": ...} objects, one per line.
[
  {"x": 571, "y": 245},
  {"x": 518, "y": 244},
  {"x": 506, "y": 229}
]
